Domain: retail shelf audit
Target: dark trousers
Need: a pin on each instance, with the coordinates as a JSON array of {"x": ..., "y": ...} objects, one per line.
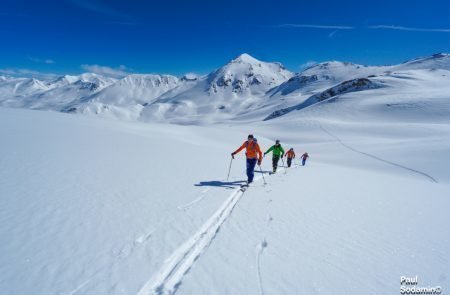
[
  {"x": 275, "y": 160},
  {"x": 303, "y": 162},
  {"x": 289, "y": 162},
  {"x": 251, "y": 163}
]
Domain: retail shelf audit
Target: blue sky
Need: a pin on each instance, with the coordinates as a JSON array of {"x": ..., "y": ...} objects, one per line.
[{"x": 175, "y": 37}]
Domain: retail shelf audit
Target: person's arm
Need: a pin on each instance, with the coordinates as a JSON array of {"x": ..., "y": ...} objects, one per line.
[
  {"x": 260, "y": 156},
  {"x": 238, "y": 150},
  {"x": 269, "y": 150},
  {"x": 293, "y": 155},
  {"x": 282, "y": 151}
]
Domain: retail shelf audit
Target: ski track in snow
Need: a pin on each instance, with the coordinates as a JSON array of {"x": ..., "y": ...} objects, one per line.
[
  {"x": 168, "y": 279},
  {"x": 79, "y": 287},
  {"x": 429, "y": 177},
  {"x": 261, "y": 247},
  {"x": 195, "y": 201},
  {"x": 126, "y": 251}
]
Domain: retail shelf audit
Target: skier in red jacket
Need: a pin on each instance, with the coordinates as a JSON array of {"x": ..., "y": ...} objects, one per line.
[{"x": 304, "y": 157}]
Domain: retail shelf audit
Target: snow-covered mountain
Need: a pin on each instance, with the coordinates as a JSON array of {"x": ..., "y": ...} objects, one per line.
[
  {"x": 435, "y": 61},
  {"x": 354, "y": 85},
  {"x": 126, "y": 97},
  {"x": 20, "y": 87},
  {"x": 53, "y": 94},
  {"x": 237, "y": 87},
  {"x": 243, "y": 89},
  {"x": 247, "y": 75},
  {"x": 324, "y": 75}
]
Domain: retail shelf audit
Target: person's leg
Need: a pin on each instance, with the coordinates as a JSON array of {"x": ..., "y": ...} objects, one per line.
[
  {"x": 303, "y": 162},
  {"x": 248, "y": 169},
  {"x": 275, "y": 163},
  {"x": 289, "y": 162},
  {"x": 251, "y": 169}
]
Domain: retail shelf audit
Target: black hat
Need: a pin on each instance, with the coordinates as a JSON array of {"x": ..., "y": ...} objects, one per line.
[
  {"x": 250, "y": 136},
  {"x": 277, "y": 141}
]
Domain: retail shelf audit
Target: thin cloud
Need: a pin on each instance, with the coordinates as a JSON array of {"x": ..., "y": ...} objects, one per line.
[
  {"x": 307, "y": 64},
  {"x": 410, "y": 29},
  {"x": 331, "y": 35},
  {"x": 39, "y": 61},
  {"x": 27, "y": 73},
  {"x": 119, "y": 72},
  {"x": 312, "y": 26}
]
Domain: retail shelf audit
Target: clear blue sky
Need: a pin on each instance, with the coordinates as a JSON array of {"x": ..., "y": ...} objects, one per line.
[{"x": 72, "y": 36}]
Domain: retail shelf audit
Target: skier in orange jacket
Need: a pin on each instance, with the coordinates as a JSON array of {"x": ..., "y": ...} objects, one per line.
[
  {"x": 290, "y": 154},
  {"x": 253, "y": 154}
]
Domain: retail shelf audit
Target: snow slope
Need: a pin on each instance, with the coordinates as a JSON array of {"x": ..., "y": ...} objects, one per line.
[{"x": 94, "y": 206}]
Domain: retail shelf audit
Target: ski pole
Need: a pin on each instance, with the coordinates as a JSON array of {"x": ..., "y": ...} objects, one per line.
[
  {"x": 285, "y": 168},
  {"x": 229, "y": 169},
  {"x": 262, "y": 173}
]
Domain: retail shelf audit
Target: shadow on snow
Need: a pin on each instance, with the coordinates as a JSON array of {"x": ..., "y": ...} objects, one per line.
[{"x": 217, "y": 183}]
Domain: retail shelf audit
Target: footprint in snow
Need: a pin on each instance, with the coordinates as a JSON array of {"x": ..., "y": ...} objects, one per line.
[{"x": 263, "y": 244}]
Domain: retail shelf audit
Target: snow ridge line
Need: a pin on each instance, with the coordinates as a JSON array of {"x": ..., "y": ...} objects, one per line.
[
  {"x": 169, "y": 277},
  {"x": 429, "y": 177}
]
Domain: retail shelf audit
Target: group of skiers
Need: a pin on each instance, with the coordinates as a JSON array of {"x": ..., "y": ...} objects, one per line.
[{"x": 254, "y": 155}]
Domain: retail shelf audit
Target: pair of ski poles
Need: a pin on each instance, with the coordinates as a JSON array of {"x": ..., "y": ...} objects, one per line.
[{"x": 229, "y": 169}]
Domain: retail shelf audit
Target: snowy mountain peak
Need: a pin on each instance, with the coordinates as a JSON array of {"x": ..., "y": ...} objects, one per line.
[
  {"x": 245, "y": 58},
  {"x": 68, "y": 78},
  {"x": 432, "y": 62},
  {"x": 331, "y": 65},
  {"x": 62, "y": 81},
  {"x": 437, "y": 57},
  {"x": 35, "y": 83},
  {"x": 246, "y": 74}
]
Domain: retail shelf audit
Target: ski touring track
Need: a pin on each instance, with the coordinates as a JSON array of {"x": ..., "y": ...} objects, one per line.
[
  {"x": 429, "y": 177},
  {"x": 261, "y": 246},
  {"x": 259, "y": 252},
  {"x": 168, "y": 279}
]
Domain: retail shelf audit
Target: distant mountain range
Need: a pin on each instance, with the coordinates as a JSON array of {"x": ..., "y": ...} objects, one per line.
[{"x": 243, "y": 89}]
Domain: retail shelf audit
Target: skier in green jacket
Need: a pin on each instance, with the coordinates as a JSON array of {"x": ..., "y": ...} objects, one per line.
[{"x": 277, "y": 153}]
